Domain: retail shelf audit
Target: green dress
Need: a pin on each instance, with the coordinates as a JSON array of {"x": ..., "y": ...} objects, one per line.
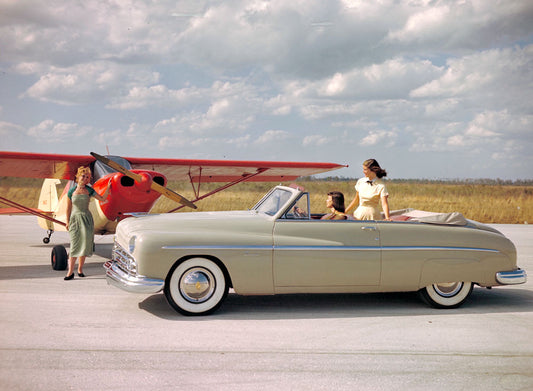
[{"x": 81, "y": 225}]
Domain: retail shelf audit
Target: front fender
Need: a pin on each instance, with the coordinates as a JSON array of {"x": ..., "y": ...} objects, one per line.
[{"x": 247, "y": 257}]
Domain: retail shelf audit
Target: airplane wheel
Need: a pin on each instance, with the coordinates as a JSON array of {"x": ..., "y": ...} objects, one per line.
[
  {"x": 46, "y": 239},
  {"x": 59, "y": 258}
]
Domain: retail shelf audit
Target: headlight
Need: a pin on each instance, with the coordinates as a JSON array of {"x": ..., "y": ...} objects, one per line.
[{"x": 131, "y": 246}]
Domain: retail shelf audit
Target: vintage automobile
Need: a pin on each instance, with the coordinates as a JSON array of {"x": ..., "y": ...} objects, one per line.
[{"x": 279, "y": 247}]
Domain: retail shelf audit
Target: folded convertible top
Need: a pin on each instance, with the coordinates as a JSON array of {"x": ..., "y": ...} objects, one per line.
[{"x": 422, "y": 216}]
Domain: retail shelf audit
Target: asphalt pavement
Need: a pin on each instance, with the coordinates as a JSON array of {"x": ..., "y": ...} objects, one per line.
[{"x": 86, "y": 335}]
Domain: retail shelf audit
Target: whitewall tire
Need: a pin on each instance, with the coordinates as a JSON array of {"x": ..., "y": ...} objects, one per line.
[
  {"x": 196, "y": 286},
  {"x": 446, "y": 295}
]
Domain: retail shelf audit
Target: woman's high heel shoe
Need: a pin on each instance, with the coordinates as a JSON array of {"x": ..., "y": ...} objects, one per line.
[{"x": 69, "y": 277}]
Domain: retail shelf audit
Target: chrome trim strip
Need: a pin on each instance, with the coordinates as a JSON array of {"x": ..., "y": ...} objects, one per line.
[
  {"x": 513, "y": 277},
  {"x": 217, "y": 247},
  {"x": 392, "y": 248},
  {"x": 417, "y": 248},
  {"x": 332, "y": 248},
  {"x": 328, "y": 248}
]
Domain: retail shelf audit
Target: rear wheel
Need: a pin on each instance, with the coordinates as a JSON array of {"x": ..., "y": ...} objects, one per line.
[
  {"x": 447, "y": 294},
  {"x": 196, "y": 286},
  {"x": 59, "y": 258}
]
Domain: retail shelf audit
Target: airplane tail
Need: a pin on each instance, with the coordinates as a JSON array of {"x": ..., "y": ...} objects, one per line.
[{"x": 48, "y": 201}]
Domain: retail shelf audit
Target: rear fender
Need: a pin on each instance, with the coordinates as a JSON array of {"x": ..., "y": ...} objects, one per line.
[{"x": 450, "y": 270}]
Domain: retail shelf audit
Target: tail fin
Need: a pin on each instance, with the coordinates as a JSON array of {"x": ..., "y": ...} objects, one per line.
[{"x": 48, "y": 201}]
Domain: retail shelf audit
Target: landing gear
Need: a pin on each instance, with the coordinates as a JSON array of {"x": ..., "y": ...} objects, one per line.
[
  {"x": 46, "y": 240},
  {"x": 59, "y": 257}
]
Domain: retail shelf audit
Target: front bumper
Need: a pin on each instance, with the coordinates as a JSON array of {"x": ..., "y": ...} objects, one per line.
[
  {"x": 514, "y": 277},
  {"x": 117, "y": 277}
]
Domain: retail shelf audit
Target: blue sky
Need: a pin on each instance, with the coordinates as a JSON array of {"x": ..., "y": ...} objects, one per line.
[{"x": 431, "y": 89}]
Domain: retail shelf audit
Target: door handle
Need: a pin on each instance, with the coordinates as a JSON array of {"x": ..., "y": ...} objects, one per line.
[{"x": 368, "y": 228}]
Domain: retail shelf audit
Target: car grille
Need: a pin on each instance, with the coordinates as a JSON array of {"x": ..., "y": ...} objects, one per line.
[{"x": 124, "y": 260}]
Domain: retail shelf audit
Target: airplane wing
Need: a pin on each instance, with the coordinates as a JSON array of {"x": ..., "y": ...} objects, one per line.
[
  {"x": 231, "y": 170},
  {"x": 39, "y": 165}
]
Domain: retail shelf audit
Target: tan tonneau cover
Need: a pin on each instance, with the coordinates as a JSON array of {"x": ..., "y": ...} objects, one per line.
[{"x": 453, "y": 218}]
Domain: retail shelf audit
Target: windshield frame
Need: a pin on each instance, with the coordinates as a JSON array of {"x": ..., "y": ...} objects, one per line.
[
  {"x": 300, "y": 208},
  {"x": 274, "y": 201}
]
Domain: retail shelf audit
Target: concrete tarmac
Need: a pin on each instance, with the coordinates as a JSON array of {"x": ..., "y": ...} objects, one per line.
[{"x": 86, "y": 335}]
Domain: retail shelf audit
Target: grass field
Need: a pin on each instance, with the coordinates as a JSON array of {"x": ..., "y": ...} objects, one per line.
[{"x": 500, "y": 204}]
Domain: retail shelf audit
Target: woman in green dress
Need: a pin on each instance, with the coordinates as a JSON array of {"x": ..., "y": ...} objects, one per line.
[{"x": 80, "y": 224}]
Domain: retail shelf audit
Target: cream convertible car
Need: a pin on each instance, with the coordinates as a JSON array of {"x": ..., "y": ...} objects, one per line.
[{"x": 278, "y": 247}]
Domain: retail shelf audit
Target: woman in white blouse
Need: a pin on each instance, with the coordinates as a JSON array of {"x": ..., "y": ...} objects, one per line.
[{"x": 369, "y": 191}]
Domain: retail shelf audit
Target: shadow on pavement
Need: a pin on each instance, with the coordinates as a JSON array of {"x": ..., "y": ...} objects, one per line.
[
  {"x": 303, "y": 306},
  {"x": 91, "y": 268},
  {"x": 93, "y": 265}
]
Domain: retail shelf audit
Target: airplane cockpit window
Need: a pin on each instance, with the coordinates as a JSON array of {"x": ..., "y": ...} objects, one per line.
[{"x": 100, "y": 169}]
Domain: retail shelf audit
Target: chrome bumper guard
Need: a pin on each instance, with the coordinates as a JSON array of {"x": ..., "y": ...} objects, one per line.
[
  {"x": 514, "y": 277},
  {"x": 117, "y": 277}
]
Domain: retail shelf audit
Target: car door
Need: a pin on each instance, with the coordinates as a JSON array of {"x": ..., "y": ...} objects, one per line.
[{"x": 325, "y": 255}]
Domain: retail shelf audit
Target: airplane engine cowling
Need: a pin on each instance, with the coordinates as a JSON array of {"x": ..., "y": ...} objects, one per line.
[{"x": 127, "y": 195}]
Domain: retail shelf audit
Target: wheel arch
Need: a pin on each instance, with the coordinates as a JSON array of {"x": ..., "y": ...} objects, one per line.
[{"x": 438, "y": 270}]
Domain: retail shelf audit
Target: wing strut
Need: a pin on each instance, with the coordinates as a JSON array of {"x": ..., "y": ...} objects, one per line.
[
  {"x": 30, "y": 211},
  {"x": 244, "y": 178},
  {"x": 196, "y": 190}
]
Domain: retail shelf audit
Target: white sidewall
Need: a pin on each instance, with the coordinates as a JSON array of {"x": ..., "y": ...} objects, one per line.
[
  {"x": 452, "y": 300},
  {"x": 218, "y": 294}
]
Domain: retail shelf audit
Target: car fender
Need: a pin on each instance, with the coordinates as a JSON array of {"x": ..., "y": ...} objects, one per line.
[
  {"x": 449, "y": 270},
  {"x": 249, "y": 266}
]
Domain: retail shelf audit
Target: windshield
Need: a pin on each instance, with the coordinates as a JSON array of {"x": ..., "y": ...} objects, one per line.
[
  {"x": 101, "y": 169},
  {"x": 273, "y": 201}
]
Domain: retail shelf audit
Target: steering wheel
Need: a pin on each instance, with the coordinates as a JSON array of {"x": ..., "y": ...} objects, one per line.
[{"x": 299, "y": 212}]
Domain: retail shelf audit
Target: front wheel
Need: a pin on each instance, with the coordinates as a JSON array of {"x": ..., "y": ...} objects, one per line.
[
  {"x": 196, "y": 286},
  {"x": 59, "y": 258},
  {"x": 447, "y": 294}
]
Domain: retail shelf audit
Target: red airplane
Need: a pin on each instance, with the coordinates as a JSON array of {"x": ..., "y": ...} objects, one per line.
[{"x": 136, "y": 184}]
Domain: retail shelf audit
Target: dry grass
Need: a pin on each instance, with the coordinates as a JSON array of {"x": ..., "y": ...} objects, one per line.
[
  {"x": 497, "y": 204},
  {"x": 503, "y": 204}
]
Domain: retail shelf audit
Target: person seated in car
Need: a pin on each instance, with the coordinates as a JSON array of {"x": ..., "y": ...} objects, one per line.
[{"x": 335, "y": 203}]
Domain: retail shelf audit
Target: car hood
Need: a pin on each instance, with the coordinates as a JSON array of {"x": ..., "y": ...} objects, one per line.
[{"x": 173, "y": 221}]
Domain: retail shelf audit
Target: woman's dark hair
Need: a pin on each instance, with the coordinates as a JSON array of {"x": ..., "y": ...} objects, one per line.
[
  {"x": 373, "y": 165},
  {"x": 337, "y": 199}
]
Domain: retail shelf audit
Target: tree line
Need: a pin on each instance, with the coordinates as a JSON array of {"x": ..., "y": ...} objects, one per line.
[{"x": 467, "y": 181}]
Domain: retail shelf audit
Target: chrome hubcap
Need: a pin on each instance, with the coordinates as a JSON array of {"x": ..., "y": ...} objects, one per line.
[
  {"x": 197, "y": 285},
  {"x": 448, "y": 289}
]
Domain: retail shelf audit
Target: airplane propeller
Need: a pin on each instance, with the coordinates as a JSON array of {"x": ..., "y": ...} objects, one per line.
[{"x": 139, "y": 178}]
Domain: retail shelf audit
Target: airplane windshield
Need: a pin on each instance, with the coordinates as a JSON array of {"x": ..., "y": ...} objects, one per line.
[{"x": 100, "y": 169}]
